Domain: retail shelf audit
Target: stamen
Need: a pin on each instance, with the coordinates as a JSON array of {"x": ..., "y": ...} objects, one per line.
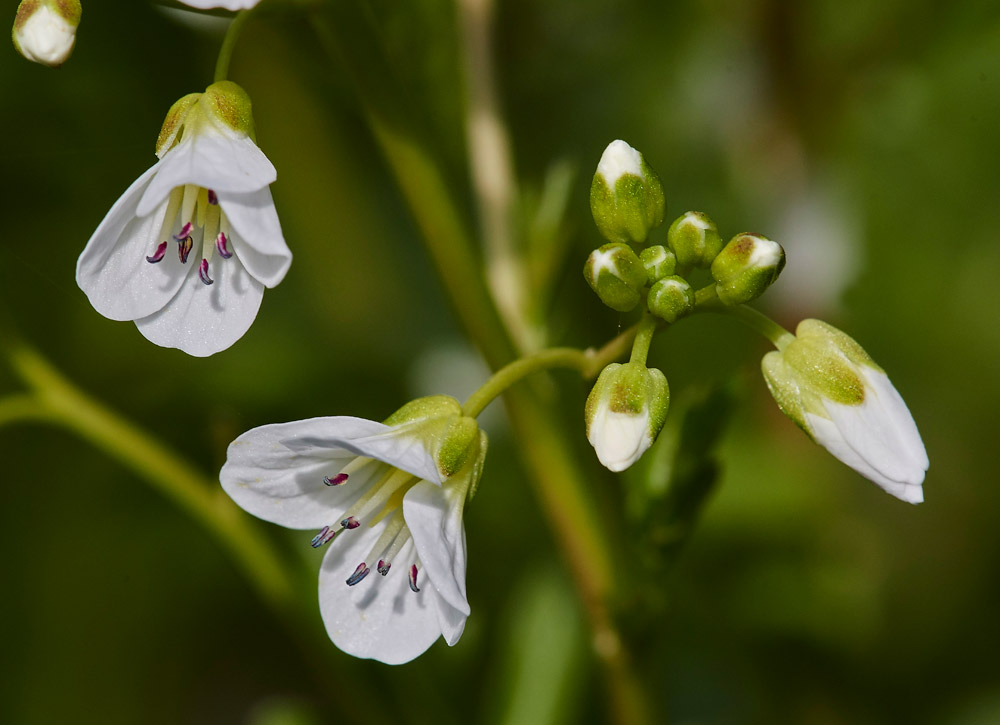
[
  {"x": 158, "y": 254},
  {"x": 336, "y": 480},
  {"x": 350, "y": 523},
  {"x": 413, "y": 578},
  {"x": 203, "y": 272},
  {"x": 360, "y": 573},
  {"x": 383, "y": 567},
  {"x": 184, "y": 247},
  {"x": 221, "y": 245},
  {"x": 325, "y": 536},
  {"x": 173, "y": 206},
  {"x": 184, "y": 232},
  {"x": 213, "y": 199},
  {"x": 379, "y": 494},
  {"x": 189, "y": 204}
]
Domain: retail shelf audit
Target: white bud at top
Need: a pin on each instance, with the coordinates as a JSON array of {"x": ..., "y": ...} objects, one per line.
[
  {"x": 617, "y": 160},
  {"x": 45, "y": 30}
]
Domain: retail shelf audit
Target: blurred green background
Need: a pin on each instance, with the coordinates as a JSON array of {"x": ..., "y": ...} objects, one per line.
[{"x": 862, "y": 136}]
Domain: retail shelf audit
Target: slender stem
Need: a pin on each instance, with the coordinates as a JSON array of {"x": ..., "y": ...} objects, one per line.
[
  {"x": 229, "y": 44},
  {"x": 755, "y": 320},
  {"x": 53, "y": 398},
  {"x": 589, "y": 362},
  {"x": 643, "y": 338}
]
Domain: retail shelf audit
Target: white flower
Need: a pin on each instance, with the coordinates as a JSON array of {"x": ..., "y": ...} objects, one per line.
[
  {"x": 624, "y": 413},
  {"x": 227, "y": 4},
  {"x": 45, "y": 30},
  {"x": 825, "y": 382},
  {"x": 392, "y": 496},
  {"x": 207, "y": 198}
]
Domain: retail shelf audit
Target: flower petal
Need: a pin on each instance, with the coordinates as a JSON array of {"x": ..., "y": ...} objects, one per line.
[
  {"x": 275, "y": 472},
  {"x": 203, "y": 319},
  {"x": 619, "y": 439},
  {"x": 401, "y": 448},
  {"x": 112, "y": 269},
  {"x": 434, "y": 516},
  {"x": 904, "y": 428},
  {"x": 378, "y": 618},
  {"x": 227, "y": 4},
  {"x": 260, "y": 244},
  {"x": 830, "y": 436},
  {"x": 212, "y": 157}
]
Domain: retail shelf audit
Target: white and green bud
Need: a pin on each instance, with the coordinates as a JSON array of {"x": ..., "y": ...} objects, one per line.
[
  {"x": 615, "y": 273},
  {"x": 437, "y": 421},
  {"x": 671, "y": 298},
  {"x": 626, "y": 196},
  {"x": 829, "y": 386},
  {"x": 45, "y": 30},
  {"x": 224, "y": 105},
  {"x": 694, "y": 239},
  {"x": 625, "y": 412},
  {"x": 746, "y": 267},
  {"x": 658, "y": 261}
]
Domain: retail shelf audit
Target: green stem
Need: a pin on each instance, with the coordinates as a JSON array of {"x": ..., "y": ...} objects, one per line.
[
  {"x": 589, "y": 362},
  {"x": 758, "y": 321},
  {"x": 229, "y": 44},
  {"x": 53, "y": 398},
  {"x": 643, "y": 338}
]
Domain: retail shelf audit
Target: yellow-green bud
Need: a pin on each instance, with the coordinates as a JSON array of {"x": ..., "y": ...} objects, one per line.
[
  {"x": 45, "y": 30},
  {"x": 615, "y": 273},
  {"x": 658, "y": 261},
  {"x": 746, "y": 267},
  {"x": 625, "y": 411},
  {"x": 694, "y": 239},
  {"x": 671, "y": 298},
  {"x": 626, "y": 196}
]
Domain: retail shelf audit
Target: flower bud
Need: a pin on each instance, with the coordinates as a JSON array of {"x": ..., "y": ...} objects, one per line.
[
  {"x": 615, "y": 273},
  {"x": 658, "y": 261},
  {"x": 671, "y": 298},
  {"x": 694, "y": 239},
  {"x": 626, "y": 197},
  {"x": 625, "y": 412},
  {"x": 45, "y": 30},
  {"x": 829, "y": 386},
  {"x": 746, "y": 267}
]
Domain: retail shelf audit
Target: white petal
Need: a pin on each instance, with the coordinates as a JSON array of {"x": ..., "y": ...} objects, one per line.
[
  {"x": 275, "y": 472},
  {"x": 203, "y": 319},
  {"x": 259, "y": 243},
  {"x": 904, "y": 427},
  {"x": 399, "y": 448},
  {"x": 828, "y": 435},
  {"x": 112, "y": 269},
  {"x": 227, "y": 4},
  {"x": 619, "y": 439},
  {"x": 434, "y": 516},
  {"x": 211, "y": 157},
  {"x": 380, "y": 617}
]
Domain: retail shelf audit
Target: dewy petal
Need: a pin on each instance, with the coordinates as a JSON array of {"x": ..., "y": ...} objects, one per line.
[
  {"x": 399, "y": 448},
  {"x": 212, "y": 157},
  {"x": 112, "y": 269},
  {"x": 275, "y": 472},
  {"x": 203, "y": 319},
  {"x": 261, "y": 246},
  {"x": 619, "y": 439},
  {"x": 434, "y": 516},
  {"x": 379, "y": 618}
]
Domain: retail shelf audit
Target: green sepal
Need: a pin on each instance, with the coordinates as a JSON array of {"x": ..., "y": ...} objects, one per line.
[
  {"x": 230, "y": 104},
  {"x": 170, "y": 131},
  {"x": 694, "y": 239},
  {"x": 746, "y": 267},
  {"x": 615, "y": 273},
  {"x": 457, "y": 443},
  {"x": 671, "y": 298},
  {"x": 422, "y": 409},
  {"x": 478, "y": 464},
  {"x": 659, "y": 262}
]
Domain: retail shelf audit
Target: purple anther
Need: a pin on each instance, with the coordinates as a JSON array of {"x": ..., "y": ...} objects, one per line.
[
  {"x": 383, "y": 567},
  {"x": 325, "y": 536},
  {"x": 184, "y": 248},
  {"x": 222, "y": 245},
  {"x": 203, "y": 272},
  {"x": 360, "y": 573},
  {"x": 350, "y": 523},
  {"x": 413, "y": 578},
  {"x": 335, "y": 480},
  {"x": 184, "y": 232},
  {"x": 158, "y": 254},
  {"x": 213, "y": 199}
]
